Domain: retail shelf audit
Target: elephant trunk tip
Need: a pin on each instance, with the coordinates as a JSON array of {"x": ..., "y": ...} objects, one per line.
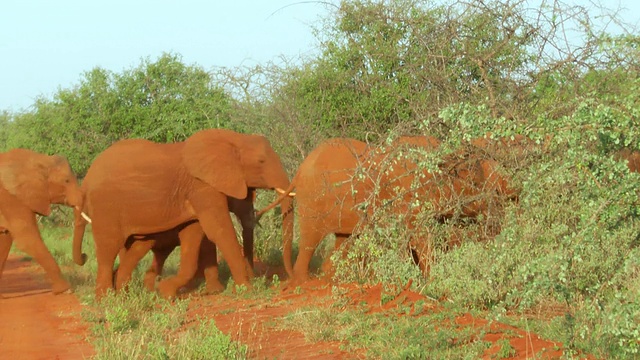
[{"x": 82, "y": 260}]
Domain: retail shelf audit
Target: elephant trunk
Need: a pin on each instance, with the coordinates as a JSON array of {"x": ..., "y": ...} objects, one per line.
[
  {"x": 78, "y": 234},
  {"x": 285, "y": 200},
  {"x": 74, "y": 197},
  {"x": 287, "y": 233},
  {"x": 284, "y": 194}
]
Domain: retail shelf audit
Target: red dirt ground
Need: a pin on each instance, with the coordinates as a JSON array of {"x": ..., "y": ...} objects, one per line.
[
  {"x": 34, "y": 324},
  {"x": 252, "y": 322}
]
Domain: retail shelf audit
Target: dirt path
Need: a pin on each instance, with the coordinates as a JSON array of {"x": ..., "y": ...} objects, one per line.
[
  {"x": 34, "y": 323},
  {"x": 255, "y": 322}
]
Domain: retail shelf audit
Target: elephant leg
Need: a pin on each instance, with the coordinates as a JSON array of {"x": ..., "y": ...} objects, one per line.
[
  {"x": 155, "y": 270},
  {"x": 213, "y": 214},
  {"x": 107, "y": 248},
  {"x": 310, "y": 237},
  {"x": 244, "y": 211},
  {"x": 27, "y": 238},
  {"x": 208, "y": 263},
  {"x": 129, "y": 259},
  {"x": 247, "y": 237},
  {"x": 327, "y": 265},
  {"x": 207, "y": 269},
  {"x": 225, "y": 239},
  {"x": 190, "y": 240}
]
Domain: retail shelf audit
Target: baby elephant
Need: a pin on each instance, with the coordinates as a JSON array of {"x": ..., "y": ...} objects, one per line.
[{"x": 162, "y": 244}]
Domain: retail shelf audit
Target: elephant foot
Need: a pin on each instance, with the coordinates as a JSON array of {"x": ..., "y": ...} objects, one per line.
[
  {"x": 60, "y": 287},
  {"x": 291, "y": 284},
  {"x": 101, "y": 292},
  {"x": 327, "y": 269},
  {"x": 167, "y": 289},
  {"x": 249, "y": 268},
  {"x": 191, "y": 286},
  {"x": 214, "y": 287}
]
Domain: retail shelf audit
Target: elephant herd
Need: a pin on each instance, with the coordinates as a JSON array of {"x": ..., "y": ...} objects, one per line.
[{"x": 141, "y": 196}]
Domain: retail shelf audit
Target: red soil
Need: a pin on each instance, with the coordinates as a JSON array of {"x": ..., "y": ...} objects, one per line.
[
  {"x": 34, "y": 323},
  {"x": 254, "y": 322}
]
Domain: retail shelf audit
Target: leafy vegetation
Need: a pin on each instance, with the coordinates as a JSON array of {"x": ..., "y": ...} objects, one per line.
[{"x": 456, "y": 72}]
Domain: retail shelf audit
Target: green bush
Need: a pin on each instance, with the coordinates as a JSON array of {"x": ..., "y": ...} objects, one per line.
[{"x": 204, "y": 341}]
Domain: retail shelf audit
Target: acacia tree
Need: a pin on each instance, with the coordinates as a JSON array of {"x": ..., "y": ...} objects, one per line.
[{"x": 386, "y": 64}]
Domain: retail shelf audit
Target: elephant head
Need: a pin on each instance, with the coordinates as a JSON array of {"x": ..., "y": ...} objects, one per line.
[
  {"x": 39, "y": 180},
  {"x": 233, "y": 162}
]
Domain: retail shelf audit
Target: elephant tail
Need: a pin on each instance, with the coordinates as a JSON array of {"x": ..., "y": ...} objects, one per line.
[{"x": 80, "y": 223}]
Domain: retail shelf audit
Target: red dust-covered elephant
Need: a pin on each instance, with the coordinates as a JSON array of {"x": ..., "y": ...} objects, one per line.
[
  {"x": 29, "y": 183},
  {"x": 631, "y": 157},
  {"x": 139, "y": 188},
  {"x": 340, "y": 174}
]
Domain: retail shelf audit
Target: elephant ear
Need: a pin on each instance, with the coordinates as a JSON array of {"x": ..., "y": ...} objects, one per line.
[
  {"x": 24, "y": 174},
  {"x": 215, "y": 160}
]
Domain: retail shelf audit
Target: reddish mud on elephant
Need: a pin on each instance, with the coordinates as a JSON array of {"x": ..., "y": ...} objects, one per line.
[
  {"x": 342, "y": 173},
  {"x": 29, "y": 183},
  {"x": 162, "y": 186}
]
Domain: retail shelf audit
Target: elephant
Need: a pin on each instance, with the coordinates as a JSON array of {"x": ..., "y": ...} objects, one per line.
[
  {"x": 163, "y": 244},
  {"x": 631, "y": 157},
  {"x": 140, "y": 188},
  {"x": 30, "y": 183},
  {"x": 336, "y": 178}
]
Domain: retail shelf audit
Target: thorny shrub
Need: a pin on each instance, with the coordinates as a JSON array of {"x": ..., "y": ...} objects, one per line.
[{"x": 571, "y": 236}]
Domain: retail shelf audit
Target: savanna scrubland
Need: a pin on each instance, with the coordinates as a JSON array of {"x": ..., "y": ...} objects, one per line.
[{"x": 562, "y": 261}]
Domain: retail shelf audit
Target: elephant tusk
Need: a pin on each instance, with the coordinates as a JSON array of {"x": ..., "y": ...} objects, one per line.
[
  {"x": 86, "y": 217},
  {"x": 291, "y": 194}
]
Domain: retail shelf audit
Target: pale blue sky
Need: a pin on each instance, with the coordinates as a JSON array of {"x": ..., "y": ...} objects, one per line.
[{"x": 48, "y": 44}]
